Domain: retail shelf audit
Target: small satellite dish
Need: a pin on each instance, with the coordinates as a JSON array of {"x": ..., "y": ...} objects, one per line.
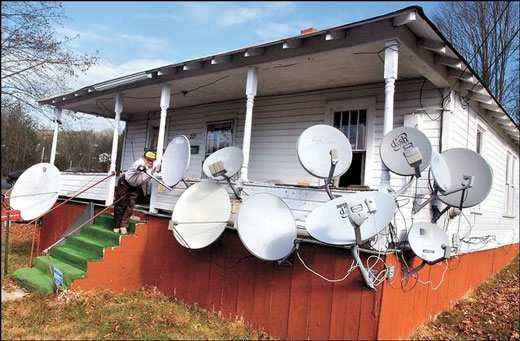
[
  {"x": 201, "y": 214},
  {"x": 464, "y": 163},
  {"x": 331, "y": 222},
  {"x": 321, "y": 143},
  {"x": 440, "y": 171},
  {"x": 405, "y": 150},
  {"x": 223, "y": 163},
  {"x": 428, "y": 241},
  {"x": 176, "y": 160},
  {"x": 266, "y": 227},
  {"x": 36, "y": 191}
]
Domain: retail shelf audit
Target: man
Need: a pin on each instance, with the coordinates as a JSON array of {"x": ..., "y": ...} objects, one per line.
[{"x": 128, "y": 187}]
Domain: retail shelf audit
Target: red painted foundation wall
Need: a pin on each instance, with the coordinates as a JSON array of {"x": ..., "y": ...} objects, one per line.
[
  {"x": 57, "y": 222},
  {"x": 285, "y": 300}
]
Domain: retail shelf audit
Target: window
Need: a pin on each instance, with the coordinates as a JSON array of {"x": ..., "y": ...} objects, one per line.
[
  {"x": 218, "y": 135},
  {"x": 353, "y": 124},
  {"x": 154, "y": 137},
  {"x": 510, "y": 197}
]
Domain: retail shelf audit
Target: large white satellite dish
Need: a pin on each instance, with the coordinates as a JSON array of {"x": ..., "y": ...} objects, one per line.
[
  {"x": 440, "y": 171},
  {"x": 330, "y": 223},
  {"x": 428, "y": 241},
  {"x": 401, "y": 146},
  {"x": 201, "y": 214},
  {"x": 228, "y": 159},
  {"x": 176, "y": 160},
  {"x": 266, "y": 227},
  {"x": 315, "y": 146},
  {"x": 36, "y": 191},
  {"x": 466, "y": 163}
]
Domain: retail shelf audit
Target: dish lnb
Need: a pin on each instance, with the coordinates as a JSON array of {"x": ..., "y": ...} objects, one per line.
[{"x": 358, "y": 212}]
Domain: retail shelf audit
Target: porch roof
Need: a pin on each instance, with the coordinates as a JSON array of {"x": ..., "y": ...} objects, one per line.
[{"x": 338, "y": 56}]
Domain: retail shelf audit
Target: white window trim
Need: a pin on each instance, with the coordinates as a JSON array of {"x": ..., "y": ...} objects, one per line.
[
  {"x": 480, "y": 128},
  {"x": 368, "y": 103},
  {"x": 511, "y": 169}
]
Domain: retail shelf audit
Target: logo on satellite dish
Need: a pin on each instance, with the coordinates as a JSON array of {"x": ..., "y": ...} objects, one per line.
[
  {"x": 342, "y": 209},
  {"x": 401, "y": 141},
  {"x": 428, "y": 251}
]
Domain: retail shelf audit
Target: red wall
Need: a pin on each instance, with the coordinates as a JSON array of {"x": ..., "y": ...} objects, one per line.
[
  {"x": 405, "y": 308},
  {"x": 286, "y": 301},
  {"x": 55, "y": 223}
]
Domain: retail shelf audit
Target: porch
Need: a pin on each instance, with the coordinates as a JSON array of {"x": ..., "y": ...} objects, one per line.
[{"x": 261, "y": 99}]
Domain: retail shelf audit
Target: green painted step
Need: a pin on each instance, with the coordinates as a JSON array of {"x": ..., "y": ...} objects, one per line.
[
  {"x": 34, "y": 280},
  {"x": 70, "y": 273},
  {"x": 73, "y": 255},
  {"x": 108, "y": 222},
  {"x": 85, "y": 242},
  {"x": 101, "y": 233}
]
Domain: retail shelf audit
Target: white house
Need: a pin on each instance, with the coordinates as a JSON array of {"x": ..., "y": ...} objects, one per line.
[{"x": 365, "y": 78}]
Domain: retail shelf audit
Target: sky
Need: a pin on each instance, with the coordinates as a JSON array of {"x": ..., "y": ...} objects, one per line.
[{"x": 129, "y": 37}]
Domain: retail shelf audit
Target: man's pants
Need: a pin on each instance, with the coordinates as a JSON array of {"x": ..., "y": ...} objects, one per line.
[{"x": 123, "y": 207}]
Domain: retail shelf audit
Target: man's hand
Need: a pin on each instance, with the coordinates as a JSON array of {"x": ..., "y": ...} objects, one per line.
[{"x": 156, "y": 166}]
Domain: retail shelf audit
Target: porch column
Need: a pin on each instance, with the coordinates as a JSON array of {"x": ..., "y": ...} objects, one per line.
[
  {"x": 165, "y": 104},
  {"x": 166, "y": 91},
  {"x": 251, "y": 89},
  {"x": 57, "y": 123},
  {"x": 118, "y": 108},
  {"x": 390, "y": 74}
]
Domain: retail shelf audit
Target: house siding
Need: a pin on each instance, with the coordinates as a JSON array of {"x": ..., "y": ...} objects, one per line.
[
  {"x": 279, "y": 120},
  {"x": 489, "y": 217}
]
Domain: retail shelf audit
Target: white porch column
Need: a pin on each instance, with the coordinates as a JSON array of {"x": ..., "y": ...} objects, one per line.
[
  {"x": 165, "y": 104},
  {"x": 57, "y": 123},
  {"x": 390, "y": 74},
  {"x": 118, "y": 108},
  {"x": 166, "y": 91},
  {"x": 251, "y": 89}
]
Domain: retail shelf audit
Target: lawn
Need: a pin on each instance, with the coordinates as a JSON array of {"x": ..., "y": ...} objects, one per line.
[
  {"x": 491, "y": 312},
  {"x": 146, "y": 314}
]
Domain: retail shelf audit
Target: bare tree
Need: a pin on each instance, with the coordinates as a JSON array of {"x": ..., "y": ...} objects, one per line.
[
  {"x": 35, "y": 62},
  {"x": 21, "y": 146},
  {"x": 487, "y": 35}
]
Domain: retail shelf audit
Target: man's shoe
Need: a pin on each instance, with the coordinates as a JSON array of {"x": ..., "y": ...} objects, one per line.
[
  {"x": 116, "y": 230},
  {"x": 123, "y": 230}
]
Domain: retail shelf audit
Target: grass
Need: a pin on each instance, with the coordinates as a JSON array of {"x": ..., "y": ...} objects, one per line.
[
  {"x": 19, "y": 250},
  {"x": 492, "y": 312},
  {"x": 145, "y": 314}
]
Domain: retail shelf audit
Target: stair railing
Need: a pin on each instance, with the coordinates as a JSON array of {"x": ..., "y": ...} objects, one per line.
[{"x": 82, "y": 225}]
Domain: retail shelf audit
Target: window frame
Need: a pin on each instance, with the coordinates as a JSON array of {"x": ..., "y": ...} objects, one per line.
[
  {"x": 360, "y": 103},
  {"x": 510, "y": 185}
]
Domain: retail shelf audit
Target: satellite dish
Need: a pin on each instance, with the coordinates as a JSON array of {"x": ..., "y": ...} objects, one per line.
[
  {"x": 317, "y": 144},
  {"x": 266, "y": 227},
  {"x": 201, "y": 214},
  {"x": 36, "y": 191},
  {"x": 440, "y": 171},
  {"x": 466, "y": 163},
  {"x": 176, "y": 160},
  {"x": 428, "y": 241},
  {"x": 401, "y": 147},
  {"x": 331, "y": 223},
  {"x": 228, "y": 160}
]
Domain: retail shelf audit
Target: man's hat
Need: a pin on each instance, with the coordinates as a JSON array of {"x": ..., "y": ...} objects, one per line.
[{"x": 150, "y": 155}]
